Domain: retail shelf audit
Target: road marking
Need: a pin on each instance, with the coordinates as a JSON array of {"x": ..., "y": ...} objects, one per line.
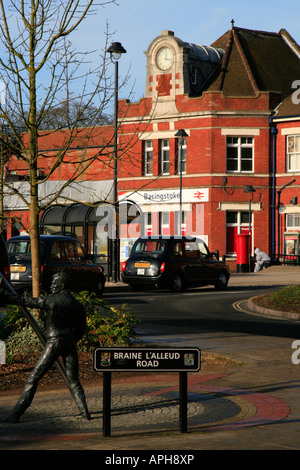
[
  {"x": 228, "y": 292},
  {"x": 237, "y": 306}
]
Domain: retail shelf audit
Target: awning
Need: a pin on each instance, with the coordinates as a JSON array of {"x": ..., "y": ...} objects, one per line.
[
  {"x": 89, "y": 192},
  {"x": 73, "y": 214}
]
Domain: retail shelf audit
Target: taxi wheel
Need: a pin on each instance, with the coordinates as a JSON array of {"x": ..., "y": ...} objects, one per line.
[
  {"x": 177, "y": 283},
  {"x": 99, "y": 286},
  {"x": 221, "y": 282}
]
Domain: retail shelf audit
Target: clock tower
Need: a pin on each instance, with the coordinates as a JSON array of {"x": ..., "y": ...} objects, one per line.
[{"x": 175, "y": 67}]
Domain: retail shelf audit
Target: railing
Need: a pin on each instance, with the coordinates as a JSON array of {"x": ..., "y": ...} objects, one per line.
[
  {"x": 283, "y": 259},
  {"x": 293, "y": 260}
]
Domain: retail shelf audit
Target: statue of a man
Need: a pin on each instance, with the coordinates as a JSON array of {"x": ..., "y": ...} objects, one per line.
[{"x": 65, "y": 325}]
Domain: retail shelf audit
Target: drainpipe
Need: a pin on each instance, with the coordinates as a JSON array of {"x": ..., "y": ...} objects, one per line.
[{"x": 274, "y": 132}]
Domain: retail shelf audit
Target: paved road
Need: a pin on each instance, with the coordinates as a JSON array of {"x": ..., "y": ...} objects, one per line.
[{"x": 203, "y": 316}]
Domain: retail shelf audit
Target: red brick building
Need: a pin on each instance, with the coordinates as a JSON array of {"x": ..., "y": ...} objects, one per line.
[
  {"x": 286, "y": 130},
  {"x": 223, "y": 97}
]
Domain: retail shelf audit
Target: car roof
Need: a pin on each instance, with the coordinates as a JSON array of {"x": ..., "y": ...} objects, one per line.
[
  {"x": 169, "y": 237},
  {"x": 42, "y": 237}
]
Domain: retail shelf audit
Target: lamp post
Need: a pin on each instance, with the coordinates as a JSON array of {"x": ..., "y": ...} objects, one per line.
[
  {"x": 116, "y": 50},
  {"x": 181, "y": 134},
  {"x": 274, "y": 132},
  {"x": 250, "y": 189}
]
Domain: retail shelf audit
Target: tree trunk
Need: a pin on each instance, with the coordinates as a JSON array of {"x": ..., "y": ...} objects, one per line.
[{"x": 35, "y": 244}]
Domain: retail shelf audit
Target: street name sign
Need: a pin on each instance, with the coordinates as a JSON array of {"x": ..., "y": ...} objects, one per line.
[{"x": 146, "y": 359}]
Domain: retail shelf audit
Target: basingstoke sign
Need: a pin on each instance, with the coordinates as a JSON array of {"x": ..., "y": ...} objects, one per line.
[
  {"x": 147, "y": 359},
  {"x": 166, "y": 196}
]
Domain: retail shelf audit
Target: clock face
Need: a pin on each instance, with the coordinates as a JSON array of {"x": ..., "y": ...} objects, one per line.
[{"x": 164, "y": 58}]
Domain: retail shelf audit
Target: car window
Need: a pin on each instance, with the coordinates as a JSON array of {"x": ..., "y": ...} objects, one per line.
[
  {"x": 203, "y": 250},
  {"x": 149, "y": 247},
  {"x": 177, "y": 250},
  {"x": 69, "y": 251},
  {"x": 57, "y": 253},
  {"x": 79, "y": 253},
  {"x": 191, "y": 249},
  {"x": 19, "y": 248}
]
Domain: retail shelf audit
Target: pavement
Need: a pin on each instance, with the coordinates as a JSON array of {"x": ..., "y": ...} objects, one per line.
[{"x": 250, "y": 403}]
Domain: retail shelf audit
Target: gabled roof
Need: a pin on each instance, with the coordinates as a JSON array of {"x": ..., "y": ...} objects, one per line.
[
  {"x": 256, "y": 61},
  {"x": 289, "y": 108}
]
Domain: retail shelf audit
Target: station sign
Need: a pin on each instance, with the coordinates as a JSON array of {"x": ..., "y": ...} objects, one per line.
[
  {"x": 162, "y": 196},
  {"x": 147, "y": 359}
]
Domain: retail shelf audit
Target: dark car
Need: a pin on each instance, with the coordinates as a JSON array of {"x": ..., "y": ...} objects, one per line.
[
  {"x": 58, "y": 253},
  {"x": 4, "y": 261},
  {"x": 169, "y": 262}
]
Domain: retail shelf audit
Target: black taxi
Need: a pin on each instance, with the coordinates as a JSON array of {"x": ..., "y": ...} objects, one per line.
[
  {"x": 175, "y": 263},
  {"x": 57, "y": 253}
]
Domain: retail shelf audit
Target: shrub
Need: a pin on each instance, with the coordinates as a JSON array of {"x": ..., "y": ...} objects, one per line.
[
  {"x": 106, "y": 326},
  {"x": 23, "y": 343},
  {"x": 20, "y": 339},
  {"x": 11, "y": 321}
]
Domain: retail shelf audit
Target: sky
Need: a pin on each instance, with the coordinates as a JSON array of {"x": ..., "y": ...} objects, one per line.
[{"x": 135, "y": 23}]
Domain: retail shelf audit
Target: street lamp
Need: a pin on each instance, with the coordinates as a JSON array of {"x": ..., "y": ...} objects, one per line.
[
  {"x": 116, "y": 50},
  {"x": 181, "y": 134},
  {"x": 250, "y": 189}
]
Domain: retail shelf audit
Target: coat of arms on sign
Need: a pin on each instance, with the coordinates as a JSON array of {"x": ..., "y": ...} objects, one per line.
[
  {"x": 189, "y": 359},
  {"x": 105, "y": 359}
]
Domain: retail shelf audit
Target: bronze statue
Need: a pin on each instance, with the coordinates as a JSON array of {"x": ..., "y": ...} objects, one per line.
[{"x": 65, "y": 326}]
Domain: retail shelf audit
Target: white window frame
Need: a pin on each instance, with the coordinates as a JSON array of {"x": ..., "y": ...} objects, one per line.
[
  {"x": 242, "y": 142},
  {"x": 164, "y": 223},
  {"x": 183, "y": 157},
  {"x": 292, "y": 151},
  {"x": 292, "y": 227},
  {"x": 148, "y": 223},
  {"x": 148, "y": 157},
  {"x": 165, "y": 156},
  {"x": 240, "y": 225}
]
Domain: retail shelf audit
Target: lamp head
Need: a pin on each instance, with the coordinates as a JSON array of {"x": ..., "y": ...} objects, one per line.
[
  {"x": 249, "y": 189},
  {"x": 116, "y": 50},
  {"x": 181, "y": 133}
]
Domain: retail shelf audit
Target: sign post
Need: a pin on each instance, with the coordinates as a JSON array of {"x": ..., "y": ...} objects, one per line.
[
  {"x": 182, "y": 402},
  {"x": 182, "y": 360},
  {"x": 106, "y": 403}
]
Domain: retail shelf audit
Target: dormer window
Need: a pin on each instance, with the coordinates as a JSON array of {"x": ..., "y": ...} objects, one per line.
[{"x": 194, "y": 75}]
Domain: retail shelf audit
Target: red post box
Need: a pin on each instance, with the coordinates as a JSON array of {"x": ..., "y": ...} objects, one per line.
[{"x": 242, "y": 252}]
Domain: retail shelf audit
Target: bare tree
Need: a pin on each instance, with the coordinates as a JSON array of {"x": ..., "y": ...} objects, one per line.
[
  {"x": 39, "y": 67},
  {"x": 61, "y": 116}
]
